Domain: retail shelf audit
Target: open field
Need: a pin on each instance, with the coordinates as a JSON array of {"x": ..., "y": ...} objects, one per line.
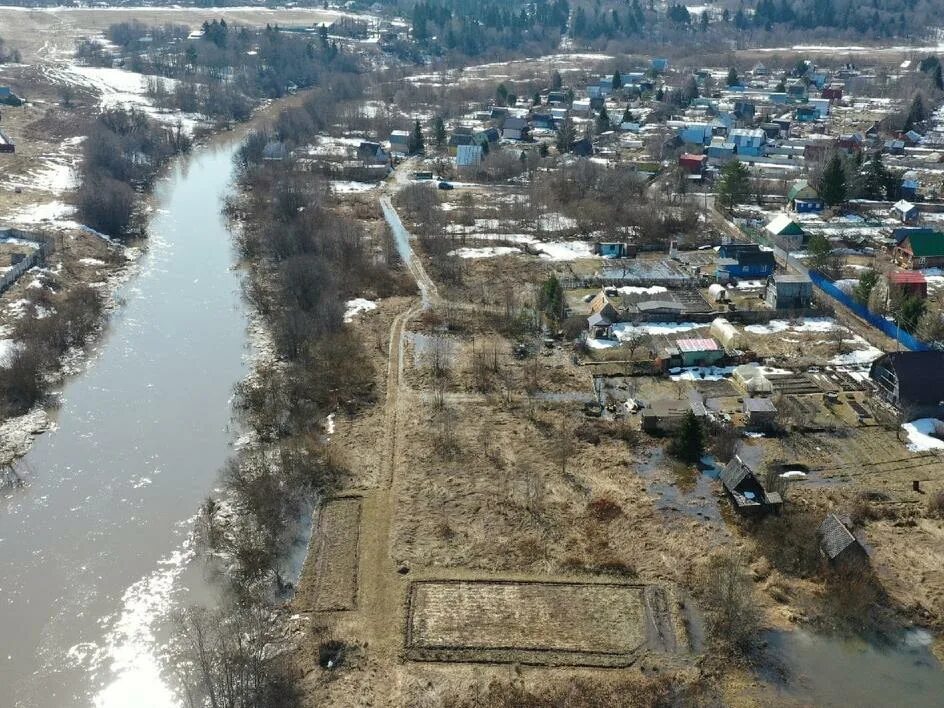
[{"x": 51, "y": 33}]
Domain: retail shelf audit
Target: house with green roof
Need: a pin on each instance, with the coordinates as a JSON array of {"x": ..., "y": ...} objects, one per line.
[
  {"x": 786, "y": 233},
  {"x": 920, "y": 249},
  {"x": 803, "y": 198}
]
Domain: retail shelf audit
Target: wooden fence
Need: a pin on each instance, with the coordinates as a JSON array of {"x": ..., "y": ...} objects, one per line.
[{"x": 37, "y": 257}]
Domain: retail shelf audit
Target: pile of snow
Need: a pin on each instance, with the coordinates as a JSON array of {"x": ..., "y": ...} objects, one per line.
[
  {"x": 921, "y": 435},
  {"x": 860, "y": 356},
  {"x": 602, "y": 343},
  {"x": 556, "y": 222},
  {"x": 564, "y": 250},
  {"x": 810, "y": 324},
  {"x": 350, "y": 187},
  {"x": 626, "y": 330},
  {"x": 701, "y": 373},
  {"x": 638, "y": 290},
  {"x": 484, "y": 251},
  {"x": 356, "y": 306}
]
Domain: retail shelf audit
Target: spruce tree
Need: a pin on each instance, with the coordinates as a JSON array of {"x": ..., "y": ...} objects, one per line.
[
  {"x": 833, "y": 182},
  {"x": 566, "y": 135},
  {"x": 439, "y": 131},
  {"x": 617, "y": 80},
  {"x": 689, "y": 442},
  {"x": 416, "y": 139},
  {"x": 603, "y": 120},
  {"x": 735, "y": 185}
]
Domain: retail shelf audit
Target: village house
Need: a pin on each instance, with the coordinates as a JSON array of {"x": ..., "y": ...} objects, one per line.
[
  {"x": 748, "y": 142},
  {"x": 515, "y": 129},
  {"x": 913, "y": 382},
  {"x": 920, "y": 249},
  {"x": 370, "y": 152},
  {"x": 786, "y": 233},
  {"x": 743, "y": 261},
  {"x": 803, "y": 198},
  {"x": 788, "y": 291},
  {"x": 838, "y": 544},
  {"x": 400, "y": 142},
  {"x": 468, "y": 156},
  {"x": 745, "y": 490},
  {"x": 693, "y": 164},
  {"x": 665, "y": 415}
]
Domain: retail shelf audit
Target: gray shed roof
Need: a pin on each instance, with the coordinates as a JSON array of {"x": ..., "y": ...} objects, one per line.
[
  {"x": 759, "y": 405},
  {"x": 735, "y": 472},
  {"x": 835, "y": 537}
]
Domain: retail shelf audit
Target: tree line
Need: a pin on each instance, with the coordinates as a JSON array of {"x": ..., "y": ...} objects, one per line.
[{"x": 122, "y": 155}]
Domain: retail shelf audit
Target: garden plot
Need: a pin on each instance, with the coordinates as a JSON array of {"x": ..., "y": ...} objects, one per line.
[
  {"x": 549, "y": 623},
  {"x": 332, "y": 558}
]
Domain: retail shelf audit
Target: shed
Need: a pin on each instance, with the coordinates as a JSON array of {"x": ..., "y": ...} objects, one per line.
[
  {"x": 905, "y": 211},
  {"x": 911, "y": 282},
  {"x": 515, "y": 129},
  {"x": 745, "y": 490},
  {"x": 760, "y": 413},
  {"x": 839, "y": 545},
  {"x": 599, "y": 326},
  {"x": 664, "y": 307},
  {"x": 789, "y": 292},
  {"x": 699, "y": 351}
]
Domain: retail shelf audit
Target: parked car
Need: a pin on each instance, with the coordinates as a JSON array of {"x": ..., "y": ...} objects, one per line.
[{"x": 445, "y": 185}]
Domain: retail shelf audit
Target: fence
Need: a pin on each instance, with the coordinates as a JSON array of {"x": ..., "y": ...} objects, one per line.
[
  {"x": 880, "y": 323},
  {"x": 35, "y": 258}
]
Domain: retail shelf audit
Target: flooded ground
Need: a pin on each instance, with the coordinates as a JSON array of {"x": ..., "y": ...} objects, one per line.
[
  {"x": 828, "y": 671},
  {"x": 95, "y": 549}
]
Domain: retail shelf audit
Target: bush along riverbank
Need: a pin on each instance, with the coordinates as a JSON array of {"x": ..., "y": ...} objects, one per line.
[{"x": 305, "y": 257}]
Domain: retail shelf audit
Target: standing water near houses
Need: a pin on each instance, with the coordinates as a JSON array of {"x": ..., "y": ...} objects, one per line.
[{"x": 94, "y": 550}]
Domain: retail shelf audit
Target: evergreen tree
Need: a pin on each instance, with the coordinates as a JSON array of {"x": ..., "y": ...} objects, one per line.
[
  {"x": 617, "y": 80},
  {"x": 439, "y": 131},
  {"x": 603, "y": 120},
  {"x": 551, "y": 298},
  {"x": 938, "y": 78},
  {"x": 833, "y": 182},
  {"x": 416, "y": 139},
  {"x": 733, "y": 79},
  {"x": 627, "y": 116},
  {"x": 688, "y": 445},
  {"x": 704, "y": 21},
  {"x": 863, "y": 289},
  {"x": 501, "y": 95},
  {"x": 876, "y": 179},
  {"x": 916, "y": 113},
  {"x": 735, "y": 185},
  {"x": 556, "y": 80},
  {"x": 566, "y": 135},
  {"x": 689, "y": 91}
]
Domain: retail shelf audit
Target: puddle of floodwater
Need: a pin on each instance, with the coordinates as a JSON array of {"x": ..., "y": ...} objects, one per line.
[
  {"x": 831, "y": 671},
  {"x": 693, "y": 497}
]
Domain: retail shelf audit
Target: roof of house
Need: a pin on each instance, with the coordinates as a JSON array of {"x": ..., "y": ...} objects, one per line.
[
  {"x": 924, "y": 244},
  {"x": 783, "y": 225},
  {"x": 399, "y": 135},
  {"x": 920, "y": 375},
  {"x": 649, "y": 305},
  {"x": 759, "y": 405},
  {"x": 802, "y": 189},
  {"x": 697, "y": 344},
  {"x": 514, "y": 123},
  {"x": 791, "y": 278},
  {"x": 596, "y": 319},
  {"x": 903, "y": 205},
  {"x": 457, "y": 139},
  {"x": 468, "y": 155},
  {"x": 907, "y": 277},
  {"x": 835, "y": 537},
  {"x": 735, "y": 472}
]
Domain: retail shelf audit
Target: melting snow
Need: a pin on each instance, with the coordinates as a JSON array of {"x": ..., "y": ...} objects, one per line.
[
  {"x": 920, "y": 435},
  {"x": 356, "y": 306}
]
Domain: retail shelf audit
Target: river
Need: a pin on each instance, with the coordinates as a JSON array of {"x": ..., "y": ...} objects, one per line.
[{"x": 93, "y": 552}]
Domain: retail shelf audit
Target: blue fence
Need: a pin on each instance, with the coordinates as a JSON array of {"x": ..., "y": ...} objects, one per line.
[{"x": 877, "y": 321}]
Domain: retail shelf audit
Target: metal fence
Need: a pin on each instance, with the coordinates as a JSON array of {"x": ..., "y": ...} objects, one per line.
[{"x": 891, "y": 329}]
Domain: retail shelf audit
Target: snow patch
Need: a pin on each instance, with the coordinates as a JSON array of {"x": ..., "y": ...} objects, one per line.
[
  {"x": 356, "y": 306},
  {"x": 921, "y": 435}
]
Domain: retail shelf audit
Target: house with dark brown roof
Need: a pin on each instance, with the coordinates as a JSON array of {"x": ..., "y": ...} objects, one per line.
[{"x": 913, "y": 382}]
